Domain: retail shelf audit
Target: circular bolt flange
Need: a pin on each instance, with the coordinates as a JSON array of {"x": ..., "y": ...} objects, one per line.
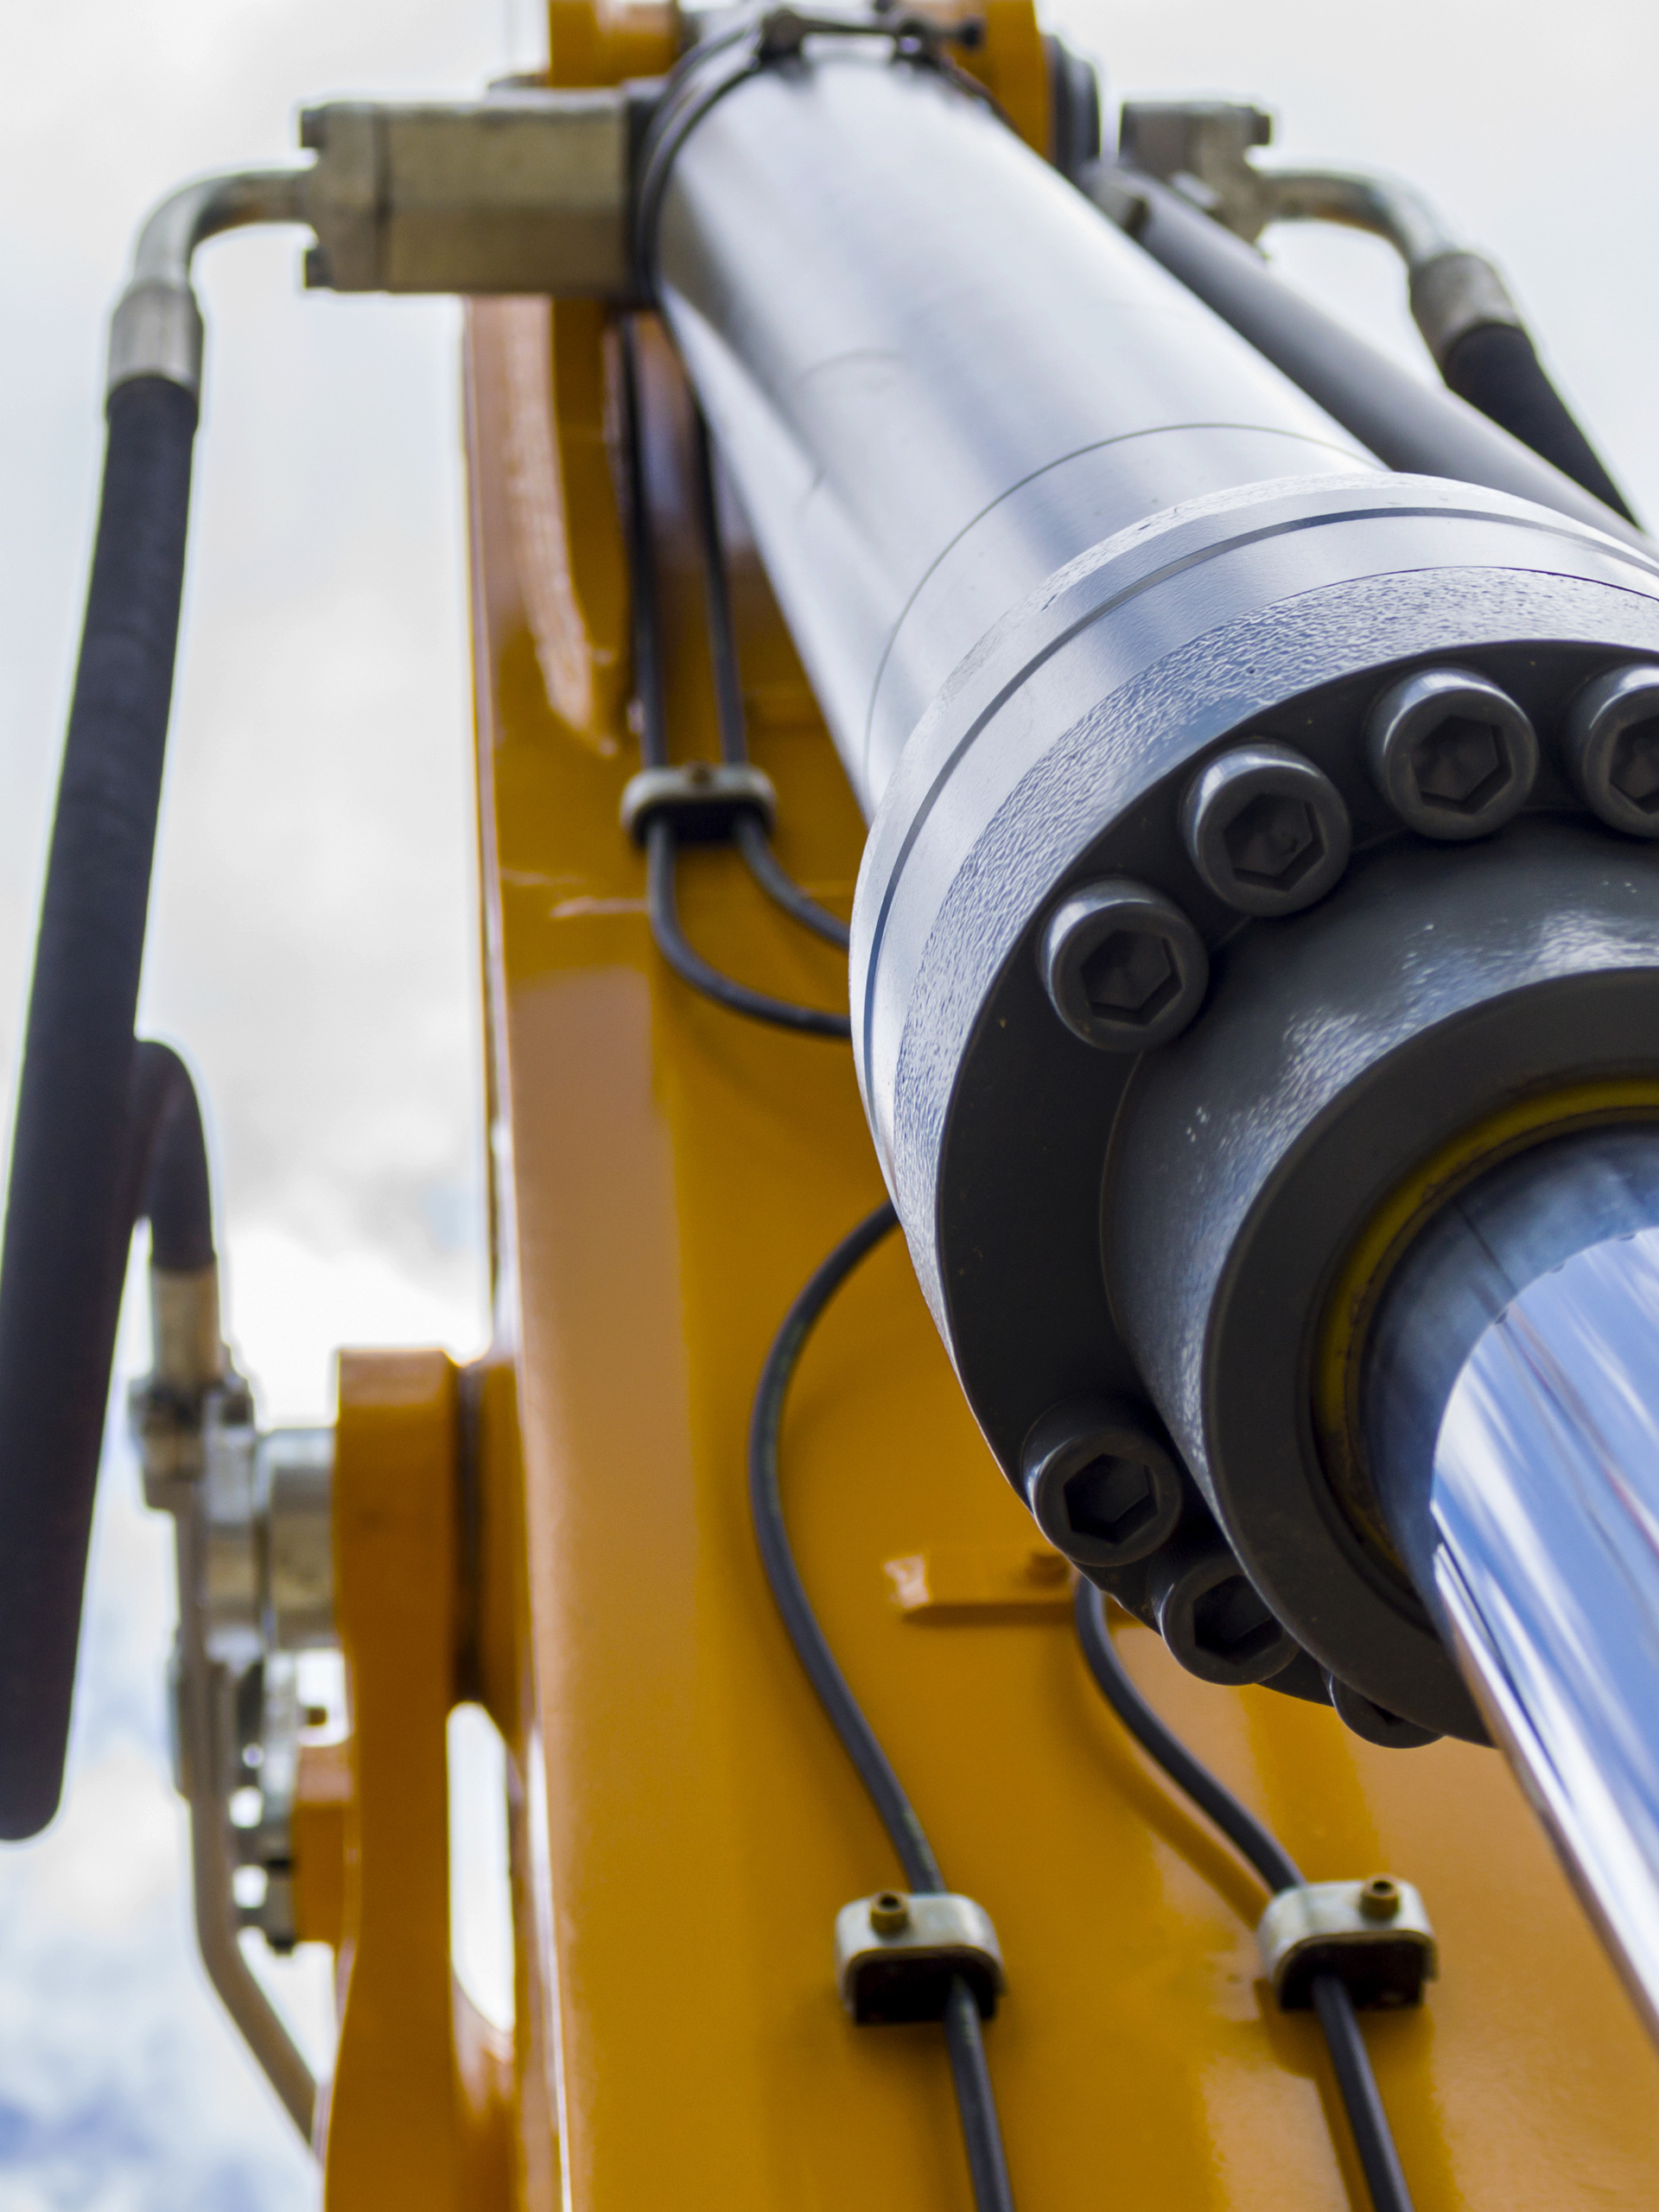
[
  {"x": 1101, "y": 1487},
  {"x": 1452, "y": 755},
  {"x": 1267, "y": 831},
  {"x": 1612, "y": 748},
  {"x": 1210, "y": 1616},
  {"x": 1123, "y": 966}
]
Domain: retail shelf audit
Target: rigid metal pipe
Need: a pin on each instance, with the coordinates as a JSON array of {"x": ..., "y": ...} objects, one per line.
[
  {"x": 1409, "y": 425},
  {"x": 1512, "y": 1421},
  {"x": 155, "y": 330},
  {"x": 935, "y": 374},
  {"x": 206, "y": 1725}
]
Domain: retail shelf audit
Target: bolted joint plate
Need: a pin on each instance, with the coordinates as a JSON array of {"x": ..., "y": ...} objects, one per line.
[
  {"x": 898, "y": 1953},
  {"x": 1374, "y": 1936}
]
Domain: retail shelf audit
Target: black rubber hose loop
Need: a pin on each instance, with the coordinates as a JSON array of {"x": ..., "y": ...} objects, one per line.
[
  {"x": 661, "y": 850},
  {"x": 749, "y": 833},
  {"x": 976, "y": 2101},
  {"x": 1350, "y": 2061},
  {"x": 63, "y": 1257},
  {"x": 781, "y": 887},
  {"x": 690, "y": 967}
]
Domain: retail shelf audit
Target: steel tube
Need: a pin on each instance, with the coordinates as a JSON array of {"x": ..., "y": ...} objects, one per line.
[
  {"x": 935, "y": 373},
  {"x": 1520, "y": 1472},
  {"x": 1409, "y": 425}
]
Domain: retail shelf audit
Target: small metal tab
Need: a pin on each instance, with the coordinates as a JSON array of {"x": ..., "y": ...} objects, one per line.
[
  {"x": 898, "y": 1953},
  {"x": 1373, "y": 1934},
  {"x": 703, "y": 797},
  {"x": 951, "y": 1583}
]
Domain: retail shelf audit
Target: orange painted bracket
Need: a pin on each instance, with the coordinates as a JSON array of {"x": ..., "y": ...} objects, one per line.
[
  {"x": 419, "y": 2111},
  {"x": 322, "y": 1799}
]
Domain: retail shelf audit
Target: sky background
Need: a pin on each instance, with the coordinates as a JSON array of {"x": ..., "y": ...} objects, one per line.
[{"x": 313, "y": 948}]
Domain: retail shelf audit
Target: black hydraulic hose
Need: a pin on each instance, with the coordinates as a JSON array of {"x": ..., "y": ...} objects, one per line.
[
  {"x": 1495, "y": 366},
  {"x": 63, "y": 1261},
  {"x": 781, "y": 887},
  {"x": 1408, "y": 425},
  {"x": 662, "y": 847},
  {"x": 1362, "y": 2100},
  {"x": 642, "y": 565},
  {"x": 717, "y": 598},
  {"x": 689, "y": 965},
  {"x": 1333, "y": 2006},
  {"x": 166, "y": 1180},
  {"x": 749, "y": 833},
  {"x": 1263, "y": 1850},
  {"x": 976, "y": 2101}
]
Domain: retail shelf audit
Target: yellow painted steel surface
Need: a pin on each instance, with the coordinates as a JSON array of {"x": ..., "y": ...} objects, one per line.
[
  {"x": 684, "y": 1824},
  {"x": 418, "y": 2115}
]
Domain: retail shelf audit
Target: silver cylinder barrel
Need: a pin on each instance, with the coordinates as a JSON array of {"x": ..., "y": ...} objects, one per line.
[
  {"x": 1511, "y": 1410},
  {"x": 935, "y": 373},
  {"x": 1227, "y": 853}
]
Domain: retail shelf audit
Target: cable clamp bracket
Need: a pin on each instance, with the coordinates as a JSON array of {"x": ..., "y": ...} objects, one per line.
[
  {"x": 701, "y": 798},
  {"x": 898, "y": 1953},
  {"x": 1374, "y": 1936}
]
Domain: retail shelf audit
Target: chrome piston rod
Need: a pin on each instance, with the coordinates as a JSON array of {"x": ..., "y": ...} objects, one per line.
[{"x": 1513, "y": 1422}]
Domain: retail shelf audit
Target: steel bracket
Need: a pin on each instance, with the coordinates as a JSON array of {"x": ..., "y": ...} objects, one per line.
[
  {"x": 1374, "y": 1936},
  {"x": 897, "y": 1955}
]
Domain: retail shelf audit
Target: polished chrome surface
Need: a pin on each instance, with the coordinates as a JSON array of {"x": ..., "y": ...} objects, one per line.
[
  {"x": 936, "y": 375},
  {"x": 1545, "y": 1504}
]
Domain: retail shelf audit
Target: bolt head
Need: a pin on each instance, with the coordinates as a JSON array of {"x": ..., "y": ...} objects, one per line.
[
  {"x": 1380, "y": 1898},
  {"x": 1123, "y": 967},
  {"x": 1130, "y": 975},
  {"x": 1229, "y": 1620},
  {"x": 1110, "y": 1497},
  {"x": 1266, "y": 829},
  {"x": 1274, "y": 840},
  {"x": 1212, "y": 1617},
  {"x": 1459, "y": 764},
  {"x": 1102, "y": 1487},
  {"x": 1634, "y": 770},
  {"x": 890, "y": 1912},
  {"x": 1451, "y": 754},
  {"x": 1612, "y": 748}
]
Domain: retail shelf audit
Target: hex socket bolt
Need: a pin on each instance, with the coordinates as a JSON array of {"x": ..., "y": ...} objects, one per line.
[
  {"x": 1209, "y": 1614},
  {"x": 1374, "y": 1722},
  {"x": 1612, "y": 748},
  {"x": 1266, "y": 829},
  {"x": 1101, "y": 1486},
  {"x": 1123, "y": 967},
  {"x": 1451, "y": 754}
]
